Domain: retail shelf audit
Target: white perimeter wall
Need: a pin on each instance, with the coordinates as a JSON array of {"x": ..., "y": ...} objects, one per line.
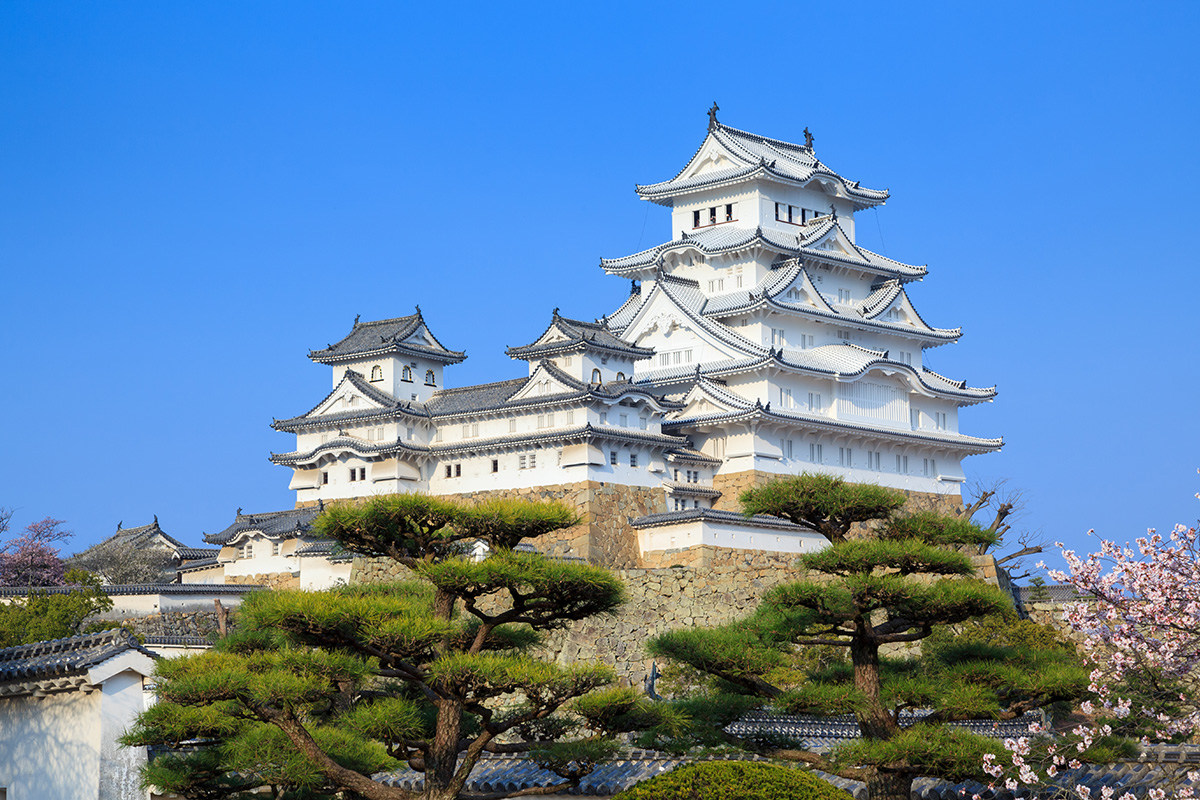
[{"x": 50, "y": 748}]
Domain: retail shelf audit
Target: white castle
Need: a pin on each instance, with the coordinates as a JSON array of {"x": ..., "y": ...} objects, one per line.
[{"x": 759, "y": 341}]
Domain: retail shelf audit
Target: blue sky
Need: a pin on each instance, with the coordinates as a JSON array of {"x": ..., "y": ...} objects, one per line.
[{"x": 193, "y": 196}]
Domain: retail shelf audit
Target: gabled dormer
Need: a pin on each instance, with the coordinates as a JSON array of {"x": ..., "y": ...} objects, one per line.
[
  {"x": 587, "y": 351},
  {"x": 739, "y": 178},
  {"x": 399, "y": 356}
]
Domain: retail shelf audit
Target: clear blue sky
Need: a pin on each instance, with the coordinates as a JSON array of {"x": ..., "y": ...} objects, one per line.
[{"x": 194, "y": 195}]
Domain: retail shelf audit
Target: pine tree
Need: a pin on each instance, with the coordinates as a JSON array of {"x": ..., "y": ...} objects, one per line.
[
  {"x": 888, "y": 586},
  {"x": 319, "y": 690}
]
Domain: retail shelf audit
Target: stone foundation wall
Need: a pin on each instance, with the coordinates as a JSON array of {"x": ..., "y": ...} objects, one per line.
[
  {"x": 708, "y": 556},
  {"x": 271, "y": 580},
  {"x": 174, "y": 623}
]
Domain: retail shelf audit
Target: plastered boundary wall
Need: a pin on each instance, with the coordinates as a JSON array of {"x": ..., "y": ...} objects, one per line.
[{"x": 727, "y": 588}]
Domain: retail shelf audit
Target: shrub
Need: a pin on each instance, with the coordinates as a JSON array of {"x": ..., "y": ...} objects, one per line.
[{"x": 733, "y": 780}]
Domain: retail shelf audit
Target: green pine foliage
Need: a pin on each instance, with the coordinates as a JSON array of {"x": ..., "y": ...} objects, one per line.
[
  {"x": 317, "y": 691},
  {"x": 904, "y": 579},
  {"x": 733, "y": 780}
]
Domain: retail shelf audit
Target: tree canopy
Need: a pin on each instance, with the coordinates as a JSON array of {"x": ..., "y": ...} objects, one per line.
[
  {"x": 317, "y": 691},
  {"x": 854, "y": 602}
]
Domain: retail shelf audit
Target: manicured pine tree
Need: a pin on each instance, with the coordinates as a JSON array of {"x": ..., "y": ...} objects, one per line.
[
  {"x": 319, "y": 690},
  {"x": 891, "y": 583}
]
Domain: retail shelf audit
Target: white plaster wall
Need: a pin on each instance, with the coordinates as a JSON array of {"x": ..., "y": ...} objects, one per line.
[
  {"x": 704, "y": 532},
  {"x": 321, "y": 573},
  {"x": 122, "y": 699},
  {"x": 50, "y": 747}
]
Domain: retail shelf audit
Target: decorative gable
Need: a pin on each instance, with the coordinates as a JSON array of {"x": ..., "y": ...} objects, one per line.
[{"x": 544, "y": 381}]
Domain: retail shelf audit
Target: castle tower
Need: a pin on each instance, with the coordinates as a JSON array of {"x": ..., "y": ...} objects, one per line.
[{"x": 791, "y": 347}]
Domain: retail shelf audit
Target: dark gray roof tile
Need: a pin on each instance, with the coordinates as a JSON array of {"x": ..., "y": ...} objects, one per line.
[{"x": 62, "y": 657}]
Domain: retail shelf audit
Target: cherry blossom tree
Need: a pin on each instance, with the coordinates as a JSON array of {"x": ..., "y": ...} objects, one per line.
[
  {"x": 1140, "y": 629},
  {"x": 31, "y": 559}
]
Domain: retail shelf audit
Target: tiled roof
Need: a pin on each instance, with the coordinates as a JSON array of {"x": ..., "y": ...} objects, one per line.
[
  {"x": 144, "y": 535},
  {"x": 193, "y": 553},
  {"x": 380, "y": 337},
  {"x": 63, "y": 657},
  {"x": 620, "y": 319},
  {"x": 729, "y": 238},
  {"x": 843, "y": 360},
  {"x": 343, "y": 443},
  {"x": 389, "y": 408},
  {"x": 690, "y": 455},
  {"x": 956, "y": 441},
  {"x": 196, "y": 566},
  {"x": 713, "y": 515},
  {"x": 769, "y": 294},
  {"x": 286, "y": 524},
  {"x": 758, "y": 156},
  {"x": 325, "y": 548},
  {"x": 577, "y": 335},
  {"x": 177, "y": 641},
  {"x": 497, "y": 773},
  {"x": 123, "y": 589},
  {"x": 818, "y": 733}
]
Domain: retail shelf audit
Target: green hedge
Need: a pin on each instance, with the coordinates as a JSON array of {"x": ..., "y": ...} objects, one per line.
[{"x": 733, "y": 780}]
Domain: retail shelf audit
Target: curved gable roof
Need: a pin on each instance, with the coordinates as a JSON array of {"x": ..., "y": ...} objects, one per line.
[{"x": 386, "y": 336}]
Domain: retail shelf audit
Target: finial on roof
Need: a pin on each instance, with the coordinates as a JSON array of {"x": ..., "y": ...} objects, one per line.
[
  {"x": 556, "y": 312},
  {"x": 712, "y": 115},
  {"x": 119, "y": 524},
  {"x": 808, "y": 140},
  {"x": 239, "y": 511},
  {"x": 634, "y": 286},
  {"x": 156, "y": 519},
  {"x": 356, "y": 317},
  {"x": 683, "y": 237},
  {"x": 758, "y": 231},
  {"x": 321, "y": 503},
  {"x": 698, "y": 375},
  {"x": 833, "y": 210}
]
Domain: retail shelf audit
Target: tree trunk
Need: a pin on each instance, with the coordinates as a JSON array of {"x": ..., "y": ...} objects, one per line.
[
  {"x": 889, "y": 786},
  {"x": 875, "y": 721},
  {"x": 442, "y": 757}
]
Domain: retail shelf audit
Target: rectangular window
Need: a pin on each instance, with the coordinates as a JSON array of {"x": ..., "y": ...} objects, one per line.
[
  {"x": 246, "y": 551},
  {"x": 603, "y": 417},
  {"x": 844, "y": 335},
  {"x": 411, "y": 433},
  {"x": 362, "y": 473},
  {"x": 816, "y": 454},
  {"x": 449, "y": 471},
  {"x": 495, "y": 465},
  {"x": 905, "y": 356},
  {"x": 512, "y": 425},
  {"x": 712, "y": 216},
  {"x": 522, "y": 462},
  {"x": 785, "y": 448},
  {"x": 729, "y": 212},
  {"x": 324, "y": 478},
  {"x": 633, "y": 459},
  {"x": 642, "y": 422},
  {"x": 466, "y": 431},
  {"x": 930, "y": 468},
  {"x": 696, "y": 218},
  {"x": 353, "y": 474},
  {"x": 790, "y": 210},
  {"x": 777, "y": 211},
  {"x": 739, "y": 281},
  {"x": 624, "y": 420},
  {"x": 902, "y": 465},
  {"x": 874, "y": 460},
  {"x": 845, "y": 457},
  {"x": 914, "y": 417},
  {"x": 806, "y": 341},
  {"x": 276, "y": 548},
  {"x": 939, "y": 420},
  {"x": 612, "y": 457},
  {"x": 785, "y": 398},
  {"x": 844, "y": 296},
  {"x": 570, "y": 417},
  {"x": 814, "y": 402},
  {"x": 458, "y": 470},
  {"x": 777, "y": 337},
  {"x": 532, "y": 460}
]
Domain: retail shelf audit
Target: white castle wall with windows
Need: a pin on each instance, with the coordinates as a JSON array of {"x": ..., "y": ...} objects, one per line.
[{"x": 760, "y": 339}]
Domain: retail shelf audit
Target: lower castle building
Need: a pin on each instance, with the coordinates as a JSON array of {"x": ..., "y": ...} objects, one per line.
[{"x": 759, "y": 340}]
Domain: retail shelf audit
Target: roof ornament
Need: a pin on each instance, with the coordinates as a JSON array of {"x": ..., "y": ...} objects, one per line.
[
  {"x": 683, "y": 237},
  {"x": 634, "y": 287},
  {"x": 156, "y": 519},
  {"x": 418, "y": 308},
  {"x": 712, "y": 115},
  {"x": 321, "y": 503},
  {"x": 556, "y": 312},
  {"x": 356, "y": 318},
  {"x": 758, "y": 231},
  {"x": 239, "y": 511},
  {"x": 119, "y": 524},
  {"x": 833, "y": 210},
  {"x": 808, "y": 139}
]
